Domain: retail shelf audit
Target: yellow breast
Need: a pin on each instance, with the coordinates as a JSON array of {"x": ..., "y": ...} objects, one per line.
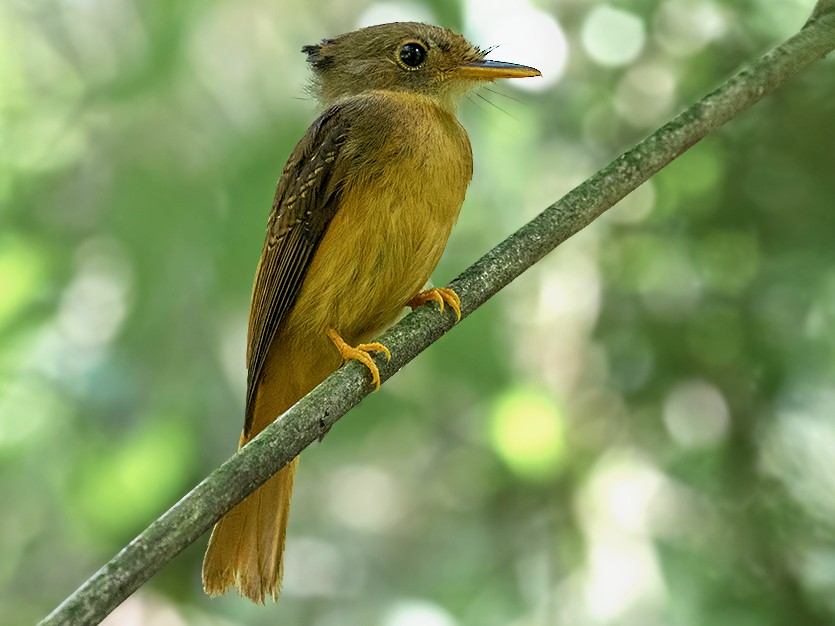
[{"x": 397, "y": 207}]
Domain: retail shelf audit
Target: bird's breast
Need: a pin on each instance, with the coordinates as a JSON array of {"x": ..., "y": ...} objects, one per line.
[{"x": 395, "y": 214}]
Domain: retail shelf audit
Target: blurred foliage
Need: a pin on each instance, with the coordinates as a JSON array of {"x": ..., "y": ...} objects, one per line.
[{"x": 638, "y": 431}]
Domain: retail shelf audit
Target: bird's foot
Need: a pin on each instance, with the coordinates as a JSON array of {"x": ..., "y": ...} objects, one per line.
[
  {"x": 440, "y": 295},
  {"x": 360, "y": 353}
]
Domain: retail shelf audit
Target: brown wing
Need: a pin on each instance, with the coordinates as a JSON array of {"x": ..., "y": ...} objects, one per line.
[{"x": 306, "y": 200}]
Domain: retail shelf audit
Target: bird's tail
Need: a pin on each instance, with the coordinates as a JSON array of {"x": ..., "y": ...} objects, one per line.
[{"x": 247, "y": 544}]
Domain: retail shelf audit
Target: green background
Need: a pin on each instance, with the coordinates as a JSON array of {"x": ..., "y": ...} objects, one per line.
[{"x": 640, "y": 430}]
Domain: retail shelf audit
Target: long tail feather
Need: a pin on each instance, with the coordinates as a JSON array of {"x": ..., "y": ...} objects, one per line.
[{"x": 247, "y": 544}]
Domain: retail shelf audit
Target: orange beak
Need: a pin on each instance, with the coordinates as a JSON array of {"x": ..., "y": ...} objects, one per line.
[{"x": 491, "y": 70}]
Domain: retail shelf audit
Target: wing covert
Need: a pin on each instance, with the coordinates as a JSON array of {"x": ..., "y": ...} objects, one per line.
[{"x": 306, "y": 199}]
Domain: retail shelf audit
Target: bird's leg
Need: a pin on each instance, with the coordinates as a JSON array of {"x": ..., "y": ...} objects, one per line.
[
  {"x": 440, "y": 295},
  {"x": 360, "y": 353}
]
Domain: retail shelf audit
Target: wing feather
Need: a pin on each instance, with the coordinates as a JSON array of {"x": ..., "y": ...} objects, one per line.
[{"x": 306, "y": 199}]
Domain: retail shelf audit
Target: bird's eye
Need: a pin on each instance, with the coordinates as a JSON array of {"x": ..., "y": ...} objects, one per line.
[{"x": 412, "y": 55}]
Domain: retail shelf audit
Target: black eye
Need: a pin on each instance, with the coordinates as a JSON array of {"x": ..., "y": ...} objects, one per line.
[{"x": 412, "y": 54}]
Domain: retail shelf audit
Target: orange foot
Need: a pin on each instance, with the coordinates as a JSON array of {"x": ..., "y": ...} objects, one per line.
[
  {"x": 360, "y": 353},
  {"x": 440, "y": 295}
]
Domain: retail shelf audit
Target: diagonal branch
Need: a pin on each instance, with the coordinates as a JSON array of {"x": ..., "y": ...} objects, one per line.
[{"x": 314, "y": 414}]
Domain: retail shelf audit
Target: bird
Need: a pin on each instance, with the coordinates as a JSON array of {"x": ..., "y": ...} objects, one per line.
[{"x": 361, "y": 214}]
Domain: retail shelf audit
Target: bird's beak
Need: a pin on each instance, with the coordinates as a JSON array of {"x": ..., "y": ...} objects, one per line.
[{"x": 491, "y": 70}]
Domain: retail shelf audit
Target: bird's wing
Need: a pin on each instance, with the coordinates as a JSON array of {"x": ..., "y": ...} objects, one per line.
[{"x": 306, "y": 200}]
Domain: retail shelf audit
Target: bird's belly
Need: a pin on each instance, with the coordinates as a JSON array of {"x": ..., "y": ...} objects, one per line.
[{"x": 378, "y": 251}]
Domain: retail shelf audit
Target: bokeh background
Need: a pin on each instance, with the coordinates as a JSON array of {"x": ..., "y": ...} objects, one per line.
[{"x": 639, "y": 431}]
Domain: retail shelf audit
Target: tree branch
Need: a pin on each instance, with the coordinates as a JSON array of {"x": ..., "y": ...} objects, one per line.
[{"x": 317, "y": 412}]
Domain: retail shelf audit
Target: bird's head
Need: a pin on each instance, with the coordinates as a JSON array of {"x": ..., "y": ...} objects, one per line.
[{"x": 404, "y": 56}]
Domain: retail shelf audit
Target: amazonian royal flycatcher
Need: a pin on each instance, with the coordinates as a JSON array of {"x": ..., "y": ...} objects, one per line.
[{"x": 361, "y": 215}]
